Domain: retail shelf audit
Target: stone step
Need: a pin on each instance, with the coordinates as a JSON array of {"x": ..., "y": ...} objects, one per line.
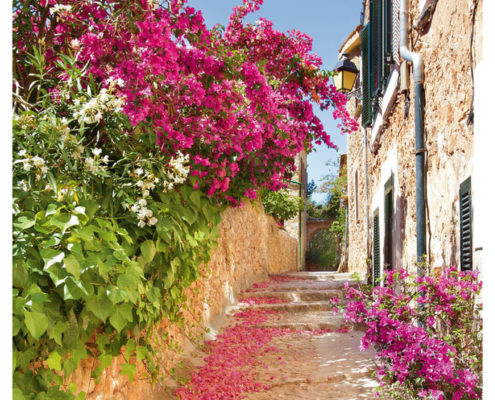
[
  {"x": 295, "y": 307},
  {"x": 295, "y": 295},
  {"x": 315, "y": 275},
  {"x": 298, "y": 286}
]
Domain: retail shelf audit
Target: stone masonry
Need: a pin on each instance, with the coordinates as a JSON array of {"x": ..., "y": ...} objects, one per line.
[{"x": 388, "y": 147}]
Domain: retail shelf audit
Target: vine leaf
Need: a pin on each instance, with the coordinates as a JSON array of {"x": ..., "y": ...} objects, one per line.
[
  {"x": 72, "y": 265},
  {"x": 24, "y": 222},
  {"x": 148, "y": 250},
  {"x": 121, "y": 316},
  {"x": 36, "y": 322},
  {"x": 100, "y": 305},
  {"x": 129, "y": 370},
  {"x": 53, "y": 361}
]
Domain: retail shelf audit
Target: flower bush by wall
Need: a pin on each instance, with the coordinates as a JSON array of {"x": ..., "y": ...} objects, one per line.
[
  {"x": 134, "y": 125},
  {"x": 427, "y": 333}
]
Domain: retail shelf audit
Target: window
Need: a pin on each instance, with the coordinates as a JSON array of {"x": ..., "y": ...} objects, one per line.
[
  {"x": 389, "y": 224},
  {"x": 379, "y": 44},
  {"x": 376, "y": 248},
  {"x": 466, "y": 226}
]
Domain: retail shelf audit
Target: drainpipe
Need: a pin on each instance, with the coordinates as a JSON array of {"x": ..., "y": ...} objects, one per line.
[
  {"x": 419, "y": 101},
  {"x": 300, "y": 225}
]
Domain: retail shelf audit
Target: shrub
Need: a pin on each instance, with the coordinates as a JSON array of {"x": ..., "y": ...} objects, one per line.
[
  {"x": 281, "y": 205},
  {"x": 426, "y": 331}
]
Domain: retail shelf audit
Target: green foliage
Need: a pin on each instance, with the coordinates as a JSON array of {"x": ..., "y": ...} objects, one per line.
[
  {"x": 281, "y": 205},
  {"x": 324, "y": 251},
  {"x": 93, "y": 249}
]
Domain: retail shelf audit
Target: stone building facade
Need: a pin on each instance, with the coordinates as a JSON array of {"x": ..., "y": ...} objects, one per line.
[{"x": 382, "y": 153}]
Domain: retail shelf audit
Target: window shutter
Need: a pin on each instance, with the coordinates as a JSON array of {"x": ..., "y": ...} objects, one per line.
[
  {"x": 466, "y": 225},
  {"x": 376, "y": 249},
  {"x": 376, "y": 46},
  {"x": 365, "y": 76},
  {"x": 387, "y": 43}
]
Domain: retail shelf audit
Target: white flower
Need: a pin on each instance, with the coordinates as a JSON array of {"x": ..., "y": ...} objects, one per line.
[
  {"x": 105, "y": 159},
  {"x": 139, "y": 171},
  {"x": 90, "y": 165},
  {"x": 96, "y": 151},
  {"x": 148, "y": 213},
  {"x": 152, "y": 221},
  {"x": 146, "y": 193},
  {"x": 60, "y": 8},
  {"x": 141, "y": 224},
  {"x": 75, "y": 44},
  {"x": 142, "y": 202},
  {"x": 38, "y": 161},
  {"x": 22, "y": 153},
  {"x": 26, "y": 165}
]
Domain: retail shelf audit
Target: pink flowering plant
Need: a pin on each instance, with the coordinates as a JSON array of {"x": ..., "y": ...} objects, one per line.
[
  {"x": 426, "y": 331},
  {"x": 134, "y": 125},
  {"x": 237, "y": 101}
]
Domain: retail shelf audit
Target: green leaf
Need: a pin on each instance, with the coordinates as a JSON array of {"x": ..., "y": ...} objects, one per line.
[
  {"x": 64, "y": 221},
  {"x": 196, "y": 198},
  {"x": 51, "y": 256},
  {"x": 51, "y": 209},
  {"x": 19, "y": 274},
  {"x": 17, "y": 394},
  {"x": 130, "y": 347},
  {"x": 91, "y": 207},
  {"x": 142, "y": 353},
  {"x": 55, "y": 332},
  {"x": 23, "y": 223},
  {"x": 16, "y": 325},
  {"x": 100, "y": 305},
  {"x": 75, "y": 289},
  {"x": 36, "y": 322},
  {"x": 116, "y": 294},
  {"x": 121, "y": 316},
  {"x": 53, "y": 361},
  {"x": 148, "y": 250},
  {"x": 129, "y": 370},
  {"x": 72, "y": 265}
]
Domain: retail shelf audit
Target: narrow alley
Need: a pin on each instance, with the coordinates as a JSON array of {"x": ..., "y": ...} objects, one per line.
[{"x": 283, "y": 341}]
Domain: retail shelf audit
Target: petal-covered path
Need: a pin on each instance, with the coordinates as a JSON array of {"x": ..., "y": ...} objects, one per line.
[{"x": 283, "y": 341}]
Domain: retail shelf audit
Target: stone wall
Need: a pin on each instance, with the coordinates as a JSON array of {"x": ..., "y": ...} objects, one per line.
[
  {"x": 446, "y": 49},
  {"x": 250, "y": 247}
]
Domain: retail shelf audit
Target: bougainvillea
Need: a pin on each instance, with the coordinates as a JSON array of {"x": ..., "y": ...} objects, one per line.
[
  {"x": 238, "y": 102},
  {"x": 134, "y": 125},
  {"x": 427, "y": 333}
]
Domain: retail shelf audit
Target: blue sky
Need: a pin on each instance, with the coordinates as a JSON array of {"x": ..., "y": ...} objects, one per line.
[{"x": 328, "y": 22}]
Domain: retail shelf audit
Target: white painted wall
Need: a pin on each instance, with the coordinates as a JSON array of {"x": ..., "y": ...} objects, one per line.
[{"x": 389, "y": 167}]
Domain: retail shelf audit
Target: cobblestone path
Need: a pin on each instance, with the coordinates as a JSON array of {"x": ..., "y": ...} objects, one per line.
[{"x": 309, "y": 352}]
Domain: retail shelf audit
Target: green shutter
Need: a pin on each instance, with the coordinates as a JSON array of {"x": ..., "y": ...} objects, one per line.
[
  {"x": 466, "y": 225},
  {"x": 376, "y": 248},
  {"x": 389, "y": 223},
  {"x": 376, "y": 41},
  {"x": 387, "y": 42},
  {"x": 366, "y": 111}
]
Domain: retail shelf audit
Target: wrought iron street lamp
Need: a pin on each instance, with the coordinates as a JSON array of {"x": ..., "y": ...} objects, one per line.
[{"x": 346, "y": 73}]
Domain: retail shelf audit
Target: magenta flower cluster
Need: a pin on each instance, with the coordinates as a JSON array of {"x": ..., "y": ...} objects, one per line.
[
  {"x": 426, "y": 331},
  {"x": 238, "y": 102}
]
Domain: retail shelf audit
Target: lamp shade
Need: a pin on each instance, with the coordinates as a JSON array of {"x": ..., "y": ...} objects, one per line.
[{"x": 345, "y": 74}]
